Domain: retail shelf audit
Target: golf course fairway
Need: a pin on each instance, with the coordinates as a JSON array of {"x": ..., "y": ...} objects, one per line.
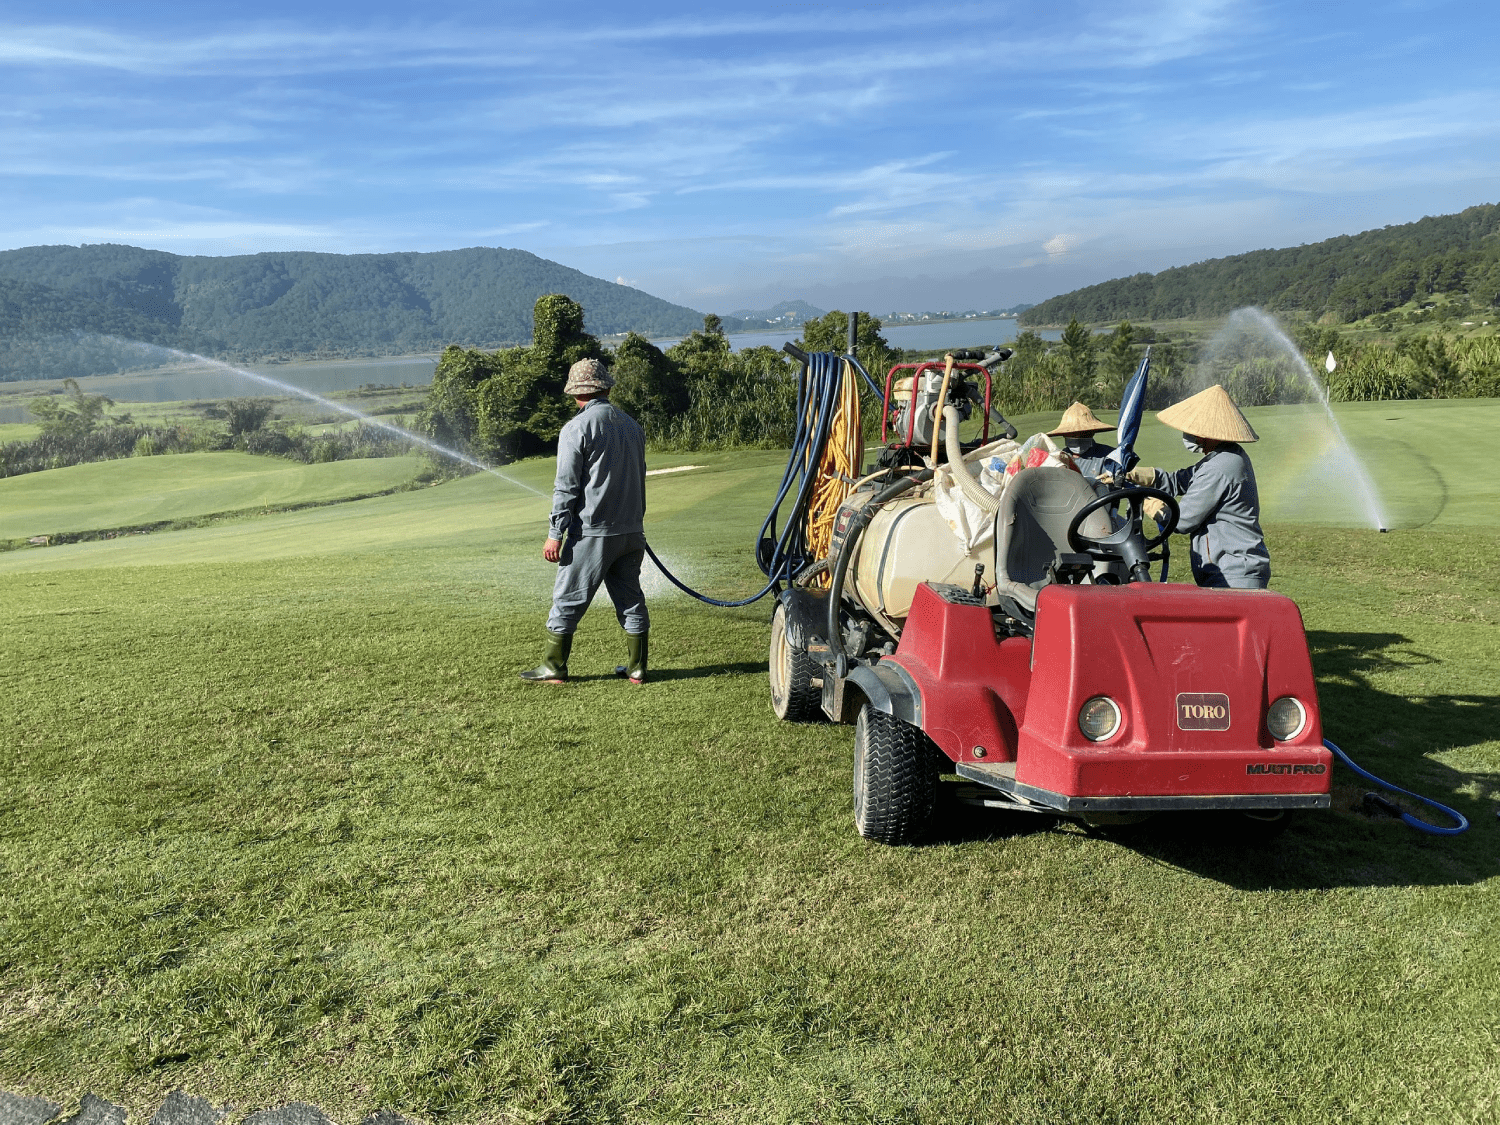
[{"x": 278, "y": 822}]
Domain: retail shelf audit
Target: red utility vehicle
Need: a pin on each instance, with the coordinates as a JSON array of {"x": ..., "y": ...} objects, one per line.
[{"x": 1067, "y": 683}]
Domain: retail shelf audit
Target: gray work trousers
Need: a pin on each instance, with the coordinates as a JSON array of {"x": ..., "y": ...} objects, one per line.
[{"x": 588, "y": 560}]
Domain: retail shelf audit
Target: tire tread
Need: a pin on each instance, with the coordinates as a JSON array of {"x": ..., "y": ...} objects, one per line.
[{"x": 899, "y": 778}]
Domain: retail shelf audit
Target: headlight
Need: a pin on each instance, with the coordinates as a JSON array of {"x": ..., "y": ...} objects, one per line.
[
  {"x": 1286, "y": 718},
  {"x": 1099, "y": 718}
]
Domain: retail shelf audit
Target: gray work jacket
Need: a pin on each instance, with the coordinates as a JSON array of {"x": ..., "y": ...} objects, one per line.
[
  {"x": 601, "y": 474},
  {"x": 1091, "y": 461},
  {"x": 1221, "y": 511}
]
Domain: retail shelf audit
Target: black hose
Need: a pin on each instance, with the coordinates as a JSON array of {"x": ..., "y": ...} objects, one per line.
[
  {"x": 818, "y": 394},
  {"x": 846, "y": 552}
]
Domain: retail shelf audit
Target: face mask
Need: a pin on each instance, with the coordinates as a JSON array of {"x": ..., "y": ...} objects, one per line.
[
  {"x": 1077, "y": 444},
  {"x": 1190, "y": 443}
]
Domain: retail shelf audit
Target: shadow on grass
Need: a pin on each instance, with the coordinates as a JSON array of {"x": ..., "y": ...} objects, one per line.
[
  {"x": 741, "y": 668},
  {"x": 661, "y": 675},
  {"x": 1389, "y": 735}
]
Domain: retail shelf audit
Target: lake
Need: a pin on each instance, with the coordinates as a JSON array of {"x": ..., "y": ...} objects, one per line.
[
  {"x": 188, "y": 382},
  {"x": 918, "y": 337}
]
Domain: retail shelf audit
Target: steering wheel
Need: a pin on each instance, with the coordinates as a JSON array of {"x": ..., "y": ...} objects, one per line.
[{"x": 1127, "y": 544}]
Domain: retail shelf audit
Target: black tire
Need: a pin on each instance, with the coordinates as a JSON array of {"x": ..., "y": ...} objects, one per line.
[
  {"x": 895, "y": 778},
  {"x": 795, "y": 696}
]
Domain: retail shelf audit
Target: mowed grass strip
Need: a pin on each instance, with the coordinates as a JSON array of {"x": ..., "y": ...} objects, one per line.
[{"x": 278, "y": 821}]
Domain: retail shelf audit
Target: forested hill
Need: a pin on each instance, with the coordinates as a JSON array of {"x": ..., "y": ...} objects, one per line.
[
  {"x": 1348, "y": 277},
  {"x": 300, "y": 304}
]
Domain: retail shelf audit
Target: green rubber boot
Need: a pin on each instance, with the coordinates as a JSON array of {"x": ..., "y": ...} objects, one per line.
[
  {"x": 554, "y": 666},
  {"x": 635, "y": 670}
]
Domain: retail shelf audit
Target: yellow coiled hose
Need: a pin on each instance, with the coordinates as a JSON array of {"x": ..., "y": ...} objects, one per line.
[{"x": 837, "y": 470}]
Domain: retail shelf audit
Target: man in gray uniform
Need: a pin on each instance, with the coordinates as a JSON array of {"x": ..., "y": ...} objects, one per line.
[
  {"x": 1219, "y": 501},
  {"x": 598, "y": 502}
]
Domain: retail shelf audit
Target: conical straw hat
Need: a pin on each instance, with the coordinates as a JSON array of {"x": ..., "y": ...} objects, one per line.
[
  {"x": 1079, "y": 419},
  {"x": 1209, "y": 414}
]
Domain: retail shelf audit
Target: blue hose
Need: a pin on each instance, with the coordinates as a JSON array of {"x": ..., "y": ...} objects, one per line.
[
  {"x": 1419, "y": 825},
  {"x": 819, "y": 386}
]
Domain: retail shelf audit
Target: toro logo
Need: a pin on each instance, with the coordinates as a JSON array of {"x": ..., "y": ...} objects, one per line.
[
  {"x": 1202, "y": 711},
  {"x": 1286, "y": 767}
]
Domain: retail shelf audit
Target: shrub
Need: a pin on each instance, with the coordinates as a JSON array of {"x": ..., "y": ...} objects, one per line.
[{"x": 502, "y": 405}]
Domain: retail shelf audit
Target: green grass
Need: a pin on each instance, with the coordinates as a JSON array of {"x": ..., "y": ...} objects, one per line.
[
  {"x": 145, "y": 490},
  {"x": 18, "y": 431},
  {"x": 277, "y": 821}
]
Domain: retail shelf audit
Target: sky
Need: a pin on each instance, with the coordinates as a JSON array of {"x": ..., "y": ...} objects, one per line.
[{"x": 891, "y": 157}]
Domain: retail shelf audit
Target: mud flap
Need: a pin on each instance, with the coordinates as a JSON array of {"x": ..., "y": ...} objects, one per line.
[
  {"x": 806, "y": 616},
  {"x": 887, "y": 687}
]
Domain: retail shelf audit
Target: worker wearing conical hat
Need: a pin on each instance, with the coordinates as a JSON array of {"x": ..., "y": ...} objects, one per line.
[
  {"x": 1218, "y": 498},
  {"x": 1077, "y": 429}
]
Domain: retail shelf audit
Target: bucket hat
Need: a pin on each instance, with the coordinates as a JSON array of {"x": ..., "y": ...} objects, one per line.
[
  {"x": 1209, "y": 414},
  {"x": 586, "y": 377},
  {"x": 1079, "y": 419}
]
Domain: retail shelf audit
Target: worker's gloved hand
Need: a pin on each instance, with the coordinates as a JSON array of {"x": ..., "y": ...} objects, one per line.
[
  {"x": 1154, "y": 508},
  {"x": 1142, "y": 475},
  {"x": 1106, "y": 479}
]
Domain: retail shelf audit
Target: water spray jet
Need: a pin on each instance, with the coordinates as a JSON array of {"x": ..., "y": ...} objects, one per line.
[
  {"x": 331, "y": 404},
  {"x": 1247, "y": 321}
]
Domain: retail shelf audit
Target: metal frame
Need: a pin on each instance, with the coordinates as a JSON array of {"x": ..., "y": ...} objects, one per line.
[
  {"x": 999, "y": 777},
  {"x": 911, "y": 407}
]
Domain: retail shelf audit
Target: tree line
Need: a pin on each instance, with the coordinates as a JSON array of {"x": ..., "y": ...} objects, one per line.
[
  {"x": 698, "y": 394},
  {"x": 1454, "y": 259},
  {"x": 508, "y": 403}
]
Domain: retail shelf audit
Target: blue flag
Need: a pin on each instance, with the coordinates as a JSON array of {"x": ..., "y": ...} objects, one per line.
[{"x": 1122, "y": 458}]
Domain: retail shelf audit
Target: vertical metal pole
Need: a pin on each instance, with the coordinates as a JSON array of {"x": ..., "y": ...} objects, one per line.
[{"x": 853, "y": 331}]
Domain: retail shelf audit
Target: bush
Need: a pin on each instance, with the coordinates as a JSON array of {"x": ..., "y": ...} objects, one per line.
[
  {"x": 246, "y": 415},
  {"x": 105, "y": 443}
]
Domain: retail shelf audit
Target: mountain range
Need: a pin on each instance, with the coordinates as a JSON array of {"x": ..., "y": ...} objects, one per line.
[
  {"x": 786, "y": 314},
  {"x": 1339, "y": 279},
  {"x": 265, "y": 306}
]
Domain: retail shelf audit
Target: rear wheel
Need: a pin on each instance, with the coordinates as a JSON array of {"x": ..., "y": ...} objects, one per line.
[
  {"x": 794, "y": 696},
  {"x": 895, "y": 778}
]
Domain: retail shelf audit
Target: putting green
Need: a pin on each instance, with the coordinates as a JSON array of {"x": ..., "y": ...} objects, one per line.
[
  {"x": 142, "y": 490},
  {"x": 731, "y": 487}
]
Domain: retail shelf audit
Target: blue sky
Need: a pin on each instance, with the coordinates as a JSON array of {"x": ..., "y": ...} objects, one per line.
[{"x": 889, "y": 156}]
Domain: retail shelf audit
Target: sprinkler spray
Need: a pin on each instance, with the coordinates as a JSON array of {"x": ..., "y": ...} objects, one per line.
[{"x": 1331, "y": 365}]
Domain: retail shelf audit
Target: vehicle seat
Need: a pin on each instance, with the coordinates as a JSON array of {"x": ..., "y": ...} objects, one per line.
[{"x": 1031, "y": 528}]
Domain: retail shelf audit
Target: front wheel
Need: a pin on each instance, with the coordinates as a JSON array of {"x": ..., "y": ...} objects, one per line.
[
  {"x": 895, "y": 778},
  {"x": 794, "y": 695}
]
